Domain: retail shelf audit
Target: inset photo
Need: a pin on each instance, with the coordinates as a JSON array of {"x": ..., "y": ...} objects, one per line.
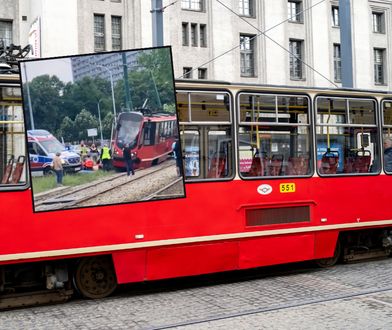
[{"x": 102, "y": 129}]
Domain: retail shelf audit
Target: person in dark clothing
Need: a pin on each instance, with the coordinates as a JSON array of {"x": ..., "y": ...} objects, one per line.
[
  {"x": 127, "y": 154},
  {"x": 94, "y": 153},
  {"x": 177, "y": 155},
  {"x": 388, "y": 154}
]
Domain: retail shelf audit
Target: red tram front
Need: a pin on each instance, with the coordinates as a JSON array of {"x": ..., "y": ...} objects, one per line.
[
  {"x": 150, "y": 136},
  {"x": 273, "y": 175}
]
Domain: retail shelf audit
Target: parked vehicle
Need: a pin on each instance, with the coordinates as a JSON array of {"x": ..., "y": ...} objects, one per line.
[{"x": 42, "y": 147}]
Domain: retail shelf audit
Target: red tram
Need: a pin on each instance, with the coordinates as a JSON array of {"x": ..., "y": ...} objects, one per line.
[
  {"x": 273, "y": 175},
  {"x": 150, "y": 136}
]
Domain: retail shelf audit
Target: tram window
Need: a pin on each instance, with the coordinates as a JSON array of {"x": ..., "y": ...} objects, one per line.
[
  {"x": 257, "y": 108},
  {"x": 346, "y": 136},
  {"x": 12, "y": 140},
  {"x": 274, "y": 135},
  {"x": 387, "y": 113},
  {"x": 206, "y": 134},
  {"x": 183, "y": 106},
  {"x": 387, "y": 135},
  {"x": 331, "y": 111},
  {"x": 209, "y": 107},
  {"x": 219, "y": 154},
  {"x": 190, "y": 140},
  {"x": 292, "y": 108},
  {"x": 149, "y": 134}
]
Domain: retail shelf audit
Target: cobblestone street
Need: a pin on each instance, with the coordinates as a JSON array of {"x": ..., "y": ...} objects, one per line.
[{"x": 354, "y": 296}]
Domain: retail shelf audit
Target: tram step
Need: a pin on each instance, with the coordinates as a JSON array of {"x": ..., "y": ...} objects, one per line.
[
  {"x": 34, "y": 298},
  {"x": 357, "y": 256}
]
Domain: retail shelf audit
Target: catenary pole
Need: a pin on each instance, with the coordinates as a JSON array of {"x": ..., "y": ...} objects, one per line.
[
  {"x": 128, "y": 102},
  {"x": 346, "y": 43},
  {"x": 29, "y": 98},
  {"x": 157, "y": 23}
]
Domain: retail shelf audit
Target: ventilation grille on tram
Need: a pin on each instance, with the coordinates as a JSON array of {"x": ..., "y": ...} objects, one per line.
[{"x": 272, "y": 216}]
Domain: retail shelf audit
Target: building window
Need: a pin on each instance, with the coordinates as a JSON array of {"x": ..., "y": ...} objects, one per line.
[
  {"x": 6, "y": 32},
  {"x": 337, "y": 63},
  {"x": 246, "y": 7},
  {"x": 335, "y": 16},
  {"x": 379, "y": 55},
  {"x": 192, "y": 4},
  {"x": 99, "y": 33},
  {"x": 296, "y": 71},
  {"x": 187, "y": 72},
  {"x": 185, "y": 34},
  {"x": 116, "y": 33},
  {"x": 203, "y": 35},
  {"x": 247, "y": 50},
  {"x": 194, "y": 35},
  {"x": 202, "y": 73},
  {"x": 295, "y": 11},
  {"x": 378, "y": 22}
]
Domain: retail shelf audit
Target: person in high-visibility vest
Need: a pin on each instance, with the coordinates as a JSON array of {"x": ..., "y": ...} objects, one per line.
[{"x": 106, "y": 156}]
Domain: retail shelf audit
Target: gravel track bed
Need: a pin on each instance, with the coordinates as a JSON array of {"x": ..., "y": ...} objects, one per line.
[
  {"x": 136, "y": 190},
  {"x": 173, "y": 191},
  {"x": 131, "y": 189}
]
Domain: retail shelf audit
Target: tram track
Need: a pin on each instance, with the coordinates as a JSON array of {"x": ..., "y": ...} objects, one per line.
[
  {"x": 86, "y": 194},
  {"x": 166, "y": 191},
  {"x": 273, "y": 308}
]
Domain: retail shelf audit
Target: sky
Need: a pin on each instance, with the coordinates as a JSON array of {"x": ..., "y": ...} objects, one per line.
[{"x": 60, "y": 67}]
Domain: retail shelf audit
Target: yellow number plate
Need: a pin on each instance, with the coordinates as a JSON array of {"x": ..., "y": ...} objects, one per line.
[{"x": 287, "y": 187}]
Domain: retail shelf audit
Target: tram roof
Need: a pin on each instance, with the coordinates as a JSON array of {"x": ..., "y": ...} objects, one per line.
[{"x": 212, "y": 83}]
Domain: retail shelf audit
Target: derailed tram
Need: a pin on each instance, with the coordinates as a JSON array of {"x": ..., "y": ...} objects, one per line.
[
  {"x": 149, "y": 135},
  {"x": 273, "y": 175}
]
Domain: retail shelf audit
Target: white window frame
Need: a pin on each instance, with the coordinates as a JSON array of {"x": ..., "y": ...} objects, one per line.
[
  {"x": 247, "y": 55},
  {"x": 296, "y": 59}
]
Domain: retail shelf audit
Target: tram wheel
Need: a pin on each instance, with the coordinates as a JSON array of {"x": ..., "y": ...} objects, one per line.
[
  {"x": 95, "y": 277},
  {"x": 329, "y": 262}
]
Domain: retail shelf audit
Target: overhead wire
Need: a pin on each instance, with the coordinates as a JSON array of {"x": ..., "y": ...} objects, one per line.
[{"x": 265, "y": 35}]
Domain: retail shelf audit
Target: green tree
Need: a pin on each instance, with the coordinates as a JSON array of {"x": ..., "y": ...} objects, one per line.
[
  {"x": 151, "y": 80},
  {"x": 86, "y": 93},
  {"x": 84, "y": 121},
  {"x": 159, "y": 64},
  {"x": 45, "y": 93},
  {"x": 67, "y": 130},
  {"x": 107, "y": 124}
]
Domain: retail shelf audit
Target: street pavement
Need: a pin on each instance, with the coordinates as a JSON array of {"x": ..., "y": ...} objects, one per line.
[{"x": 353, "y": 296}]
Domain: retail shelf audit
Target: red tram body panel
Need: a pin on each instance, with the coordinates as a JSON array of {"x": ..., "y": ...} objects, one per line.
[{"x": 234, "y": 220}]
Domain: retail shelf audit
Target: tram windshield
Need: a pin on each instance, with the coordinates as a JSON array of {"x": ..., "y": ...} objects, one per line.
[{"x": 128, "y": 128}]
